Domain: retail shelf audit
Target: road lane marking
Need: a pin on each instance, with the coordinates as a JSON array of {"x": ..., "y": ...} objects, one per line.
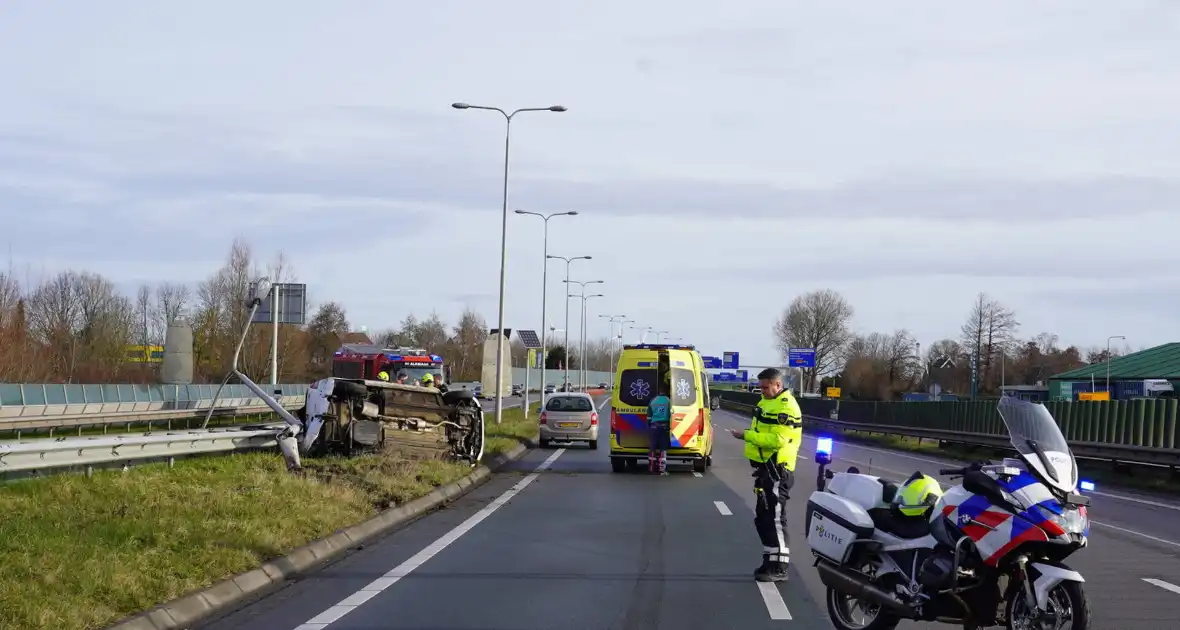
[
  {"x": 723, "y": 508},
  {"x": 1167, "y": 586},
  {"x": 1135, "y": 533},
  {"x": 350, "y": 603},
  {"x": 903, "y": 475},
  {"x": 774, "y": 601},
  {"x": 697, "y": 475}
]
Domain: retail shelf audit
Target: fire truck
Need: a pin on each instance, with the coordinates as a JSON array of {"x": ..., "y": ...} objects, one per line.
[{"x": 365, "y": 361}]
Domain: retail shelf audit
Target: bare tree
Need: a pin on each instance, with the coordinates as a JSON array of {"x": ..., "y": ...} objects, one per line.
[
  {"x": 988, "y": 334},
  {"x": 816, "y": 320},
  {"x": 325, "y": 330},
  {"x": 172, "y": 304},
  {"x": 466, "y": 348}
]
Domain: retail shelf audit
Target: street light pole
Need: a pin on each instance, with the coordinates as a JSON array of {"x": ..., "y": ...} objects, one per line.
[
  {"x": 504, "y": 241},
  {"x": 1108, "y": 339},
  {"x": 643, "y": 332},
  {"x": 568, "y": 261},
  {"x": 581, "y": 352},
  {"x": 544, "y": 287},
  {"x": 611, "y": 319},
  {"x": 582, "y": 333},
  {"x": 659, "y": 335}
]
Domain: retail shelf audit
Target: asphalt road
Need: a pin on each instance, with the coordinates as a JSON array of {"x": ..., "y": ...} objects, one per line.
[{"x": 558, "y": 541}]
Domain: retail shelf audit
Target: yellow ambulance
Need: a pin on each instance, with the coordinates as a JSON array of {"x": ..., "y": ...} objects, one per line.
[{"x": 641, "y": 369}]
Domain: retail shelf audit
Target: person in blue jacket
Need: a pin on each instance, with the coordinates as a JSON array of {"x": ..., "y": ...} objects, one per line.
[{"x": 659, "y": 421}]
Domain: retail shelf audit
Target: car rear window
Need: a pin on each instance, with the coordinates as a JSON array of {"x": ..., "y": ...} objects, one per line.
[
  {"x": 569, "y": 403},
  {"x": 636, "y": 387}
]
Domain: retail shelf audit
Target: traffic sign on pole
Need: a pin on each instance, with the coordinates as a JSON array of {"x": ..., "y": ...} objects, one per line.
[
  {"x": 801, "y": 357},
  {"x": 711, "y": 363},
  {"x": 729, "y": 360}
]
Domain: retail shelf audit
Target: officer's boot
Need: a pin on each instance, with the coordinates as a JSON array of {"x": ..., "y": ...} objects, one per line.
[
  {"x": 663, "y": 463},
  {"x": 652, "y": 462},
  {"x": 764, "y": 567},
  {"x": 775, "y": 571}
]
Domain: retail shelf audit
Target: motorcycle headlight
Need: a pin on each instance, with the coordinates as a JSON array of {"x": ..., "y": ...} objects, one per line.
[{"x": 1072, "y": 520}]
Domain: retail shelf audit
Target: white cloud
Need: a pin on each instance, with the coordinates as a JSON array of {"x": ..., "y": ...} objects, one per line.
[{"x": 724, "y": 157}]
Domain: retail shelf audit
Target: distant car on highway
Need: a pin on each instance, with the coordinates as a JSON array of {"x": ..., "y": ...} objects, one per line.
[
  {"x": 603, "y": 386},
  {"x": 569, "y": 417},
  {"x": 517, "y": 390},
  {"x": 549, "y": 389},
  {"x": 478, "y": 391}
]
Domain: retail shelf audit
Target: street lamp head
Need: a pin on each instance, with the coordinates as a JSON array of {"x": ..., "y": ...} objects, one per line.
[
  {"x": 519, "y": 211},
  {"x": 460, "y": 105},
  {"x": 557, "y": 108},
  {"x": 572, "y": 213}
]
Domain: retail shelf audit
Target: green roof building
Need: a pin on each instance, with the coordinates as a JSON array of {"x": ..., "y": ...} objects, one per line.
[{"x": 1136, "y": 375}]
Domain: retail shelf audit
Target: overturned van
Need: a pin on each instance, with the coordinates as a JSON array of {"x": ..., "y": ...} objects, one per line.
[{"x": 642, "y": 371}]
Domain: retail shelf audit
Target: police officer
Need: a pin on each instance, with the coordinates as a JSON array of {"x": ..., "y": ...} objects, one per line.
[{"x": 772, "y": 444}]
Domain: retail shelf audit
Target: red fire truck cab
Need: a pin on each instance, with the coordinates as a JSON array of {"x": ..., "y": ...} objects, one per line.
[{"x": 365, "y": 361}]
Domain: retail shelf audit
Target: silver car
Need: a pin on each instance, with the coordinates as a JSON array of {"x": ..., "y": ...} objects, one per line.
[{"x": 569, "y": 417}]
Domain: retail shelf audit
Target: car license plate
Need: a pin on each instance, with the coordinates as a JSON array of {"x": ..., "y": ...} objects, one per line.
[{"x": 568, "y": 425}]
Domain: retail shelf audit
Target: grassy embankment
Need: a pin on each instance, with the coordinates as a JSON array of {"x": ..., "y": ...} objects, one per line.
[{"x": 81, "y": 553}]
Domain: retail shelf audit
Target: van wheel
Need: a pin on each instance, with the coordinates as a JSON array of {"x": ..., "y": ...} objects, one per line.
[
  {"x": 544, "y": 443},
  {"x": 594, "y": 445},
  {"x": 708, "y": 460},
  {"x": 700, "y": 465},
  {"x": 618, "y": 464}
]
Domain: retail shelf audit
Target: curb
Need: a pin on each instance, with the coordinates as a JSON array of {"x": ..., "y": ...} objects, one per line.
[{"x": 223, "y": 596}]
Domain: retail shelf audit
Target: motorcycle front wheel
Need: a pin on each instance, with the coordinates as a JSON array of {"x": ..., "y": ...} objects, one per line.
[
  {"x": 849, "y": 613},
  {"x": 1068, "y": 609}
]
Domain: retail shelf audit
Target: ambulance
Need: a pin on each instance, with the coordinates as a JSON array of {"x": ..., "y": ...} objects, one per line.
[{"x": 641, "y": 368}]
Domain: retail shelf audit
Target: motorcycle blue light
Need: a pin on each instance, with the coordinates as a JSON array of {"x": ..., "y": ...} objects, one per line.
[
  {"x": 823, "y": 445},
  {"x": 1086, "y": 486}
]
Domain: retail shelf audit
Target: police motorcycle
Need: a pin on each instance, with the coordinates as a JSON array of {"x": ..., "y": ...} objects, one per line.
[{"x": 986, "y": 553}]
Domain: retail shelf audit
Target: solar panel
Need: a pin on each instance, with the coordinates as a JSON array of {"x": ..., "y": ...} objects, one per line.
[{"x": 529, "y": 338}]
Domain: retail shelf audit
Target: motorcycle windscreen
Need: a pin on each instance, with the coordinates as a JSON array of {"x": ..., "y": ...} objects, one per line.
[{"x": 1036, "y": 436}]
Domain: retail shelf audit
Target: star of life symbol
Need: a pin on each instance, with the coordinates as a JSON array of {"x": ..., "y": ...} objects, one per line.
[
  {"x": 640, "y": 389},
  {"x": 683, "y": 388}
]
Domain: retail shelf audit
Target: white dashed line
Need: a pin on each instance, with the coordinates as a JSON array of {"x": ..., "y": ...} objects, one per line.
[
  {"x": 774, "y": 601},
  {"x": 1167, "y": 586},
  {"x": 349, "y": 604},
  {"x": 723, "y": 508},
  {"x": 697, "y": 475}
]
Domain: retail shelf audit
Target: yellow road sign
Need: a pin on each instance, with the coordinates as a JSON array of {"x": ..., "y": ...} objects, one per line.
[{"x": 833, "y": 392}]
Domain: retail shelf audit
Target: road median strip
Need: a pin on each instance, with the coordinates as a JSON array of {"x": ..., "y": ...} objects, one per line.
[{"x": 85, "y": 553}]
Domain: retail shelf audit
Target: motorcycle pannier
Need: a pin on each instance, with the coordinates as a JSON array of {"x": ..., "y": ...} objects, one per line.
[{"x": 833, "y": 522}]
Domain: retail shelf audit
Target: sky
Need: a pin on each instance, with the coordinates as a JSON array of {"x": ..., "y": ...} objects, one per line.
[{"x": 724, "y": 158}]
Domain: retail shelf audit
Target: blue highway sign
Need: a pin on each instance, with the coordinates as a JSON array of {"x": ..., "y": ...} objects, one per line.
[{"x": 801, "y": 357}]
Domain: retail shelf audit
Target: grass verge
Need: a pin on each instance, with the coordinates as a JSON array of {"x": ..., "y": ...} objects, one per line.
[
  {"x": 1132, "y": 477},
  {"x": 82, "y": 553}
]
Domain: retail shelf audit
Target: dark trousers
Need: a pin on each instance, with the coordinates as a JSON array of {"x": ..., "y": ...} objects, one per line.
[
  {"x": 772, "y": 488},
  {"x": 661, "y": 441}
]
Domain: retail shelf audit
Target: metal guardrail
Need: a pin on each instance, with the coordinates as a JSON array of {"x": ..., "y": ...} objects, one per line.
[
  {"x": 47, "y": 406},
  {"x": 29, "y": 458},
  {"x": 1128, "y": 453}
]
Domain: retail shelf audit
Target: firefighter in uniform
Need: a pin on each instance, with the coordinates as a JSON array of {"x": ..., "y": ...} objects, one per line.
[{"x": 772, "y": 445}]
